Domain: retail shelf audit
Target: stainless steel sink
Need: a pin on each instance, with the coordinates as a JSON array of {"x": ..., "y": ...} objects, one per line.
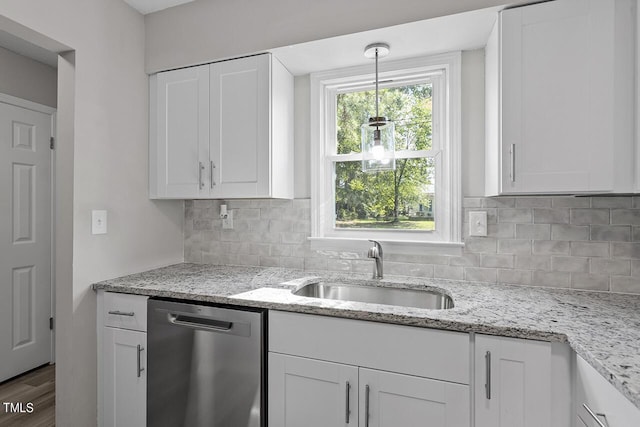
[{"x": 431, "y": 299}]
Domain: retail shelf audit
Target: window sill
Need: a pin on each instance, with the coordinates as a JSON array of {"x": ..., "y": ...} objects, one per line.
[{"x": 389, "y": 246}]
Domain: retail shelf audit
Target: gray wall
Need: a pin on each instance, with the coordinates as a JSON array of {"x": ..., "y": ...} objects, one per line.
[
  {"x": 102, "y": 164},
  {"x": 25, "y": 78}
]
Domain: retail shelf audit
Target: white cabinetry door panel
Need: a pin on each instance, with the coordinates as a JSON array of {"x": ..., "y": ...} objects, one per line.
[
  {"x": 512, "y": 382},
  {"x": 560, "y": 104},
  {"x": 124, "y": 378},
  {"x": 240, "y": 127},
  {"x": 605, "y": 402},
  {"x": 179, "y": 132},
  {"x": 311, "y": 393},
  {"x": 402, "y": 400}
]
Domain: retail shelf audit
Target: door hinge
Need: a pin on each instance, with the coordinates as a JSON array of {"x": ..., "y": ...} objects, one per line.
[
  {"x": 51, "y": 323},
  {"x": 52, "y": 144}
]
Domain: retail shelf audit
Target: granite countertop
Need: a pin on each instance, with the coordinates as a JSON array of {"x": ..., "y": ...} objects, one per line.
[{"x": 603, "y": 328}]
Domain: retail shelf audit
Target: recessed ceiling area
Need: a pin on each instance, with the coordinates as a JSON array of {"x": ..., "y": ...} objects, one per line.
[
  {"x": 150, "y": 6},
  {"x": 24, "y": 48},
  {"x": 463, "y": 31}
]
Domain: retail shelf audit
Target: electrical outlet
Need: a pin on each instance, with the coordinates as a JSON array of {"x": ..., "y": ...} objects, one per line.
[
  {"x": 227, "y": 221},
  {"x": 478, "y": 224}
]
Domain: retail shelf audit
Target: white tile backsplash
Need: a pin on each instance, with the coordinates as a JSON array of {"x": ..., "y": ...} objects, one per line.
[{"x": 580, "y": 242}]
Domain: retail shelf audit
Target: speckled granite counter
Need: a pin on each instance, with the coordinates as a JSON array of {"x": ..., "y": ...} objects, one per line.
[{"x": 602, "y": 328}]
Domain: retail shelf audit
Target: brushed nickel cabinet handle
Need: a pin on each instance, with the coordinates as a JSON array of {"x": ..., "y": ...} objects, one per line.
[
  {"x": 366, "y": 406},
  {"x": 213, "y": 166},
  {"x": 200, "y": 175},
  {"x": 348, "y": 411},
  {"x": 122, "y": 313},
  {"x": 487, "y": 383},
  {"x": 140, "y": 368},
  {"x": 596, "y": 416},
  {"x": 513, "y": 162}
]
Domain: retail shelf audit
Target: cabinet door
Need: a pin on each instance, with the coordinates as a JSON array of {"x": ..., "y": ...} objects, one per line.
[
  {"x": 605, "y": 402},
  {"x": 512, "y": 382},
  {"x": 562, "y": 115},
  {"x": 240, "y": 127},
  {"x": 125, "y": 378},
  {"x": 391, "y": 400},
  {"x": 311, "y": 393},
  {"x": 179, "y": 133}
]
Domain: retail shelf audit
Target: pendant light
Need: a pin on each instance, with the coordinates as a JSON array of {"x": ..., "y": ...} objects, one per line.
[{"x": 378, "y": 143}]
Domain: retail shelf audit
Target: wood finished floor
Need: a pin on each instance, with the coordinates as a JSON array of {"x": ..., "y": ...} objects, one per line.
[{"x": 37, "y": 387}]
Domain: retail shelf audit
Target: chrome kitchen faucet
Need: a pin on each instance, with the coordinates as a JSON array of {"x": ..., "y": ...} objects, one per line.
[{"x": 375, "y": 252}]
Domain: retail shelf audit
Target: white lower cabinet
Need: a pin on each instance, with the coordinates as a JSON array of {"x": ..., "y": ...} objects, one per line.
[
  {"x": 314, "y": 393},
  {"x": 388, "y": 399},
  {"x": 122, "y": 360},
  {"x": 311, "y": 393},
  {"x": 125, "y": 377},
  {"x": 598, "y": 403},
  {"x": 521, "y": 383},
  {"x": 336, "y": 372}
]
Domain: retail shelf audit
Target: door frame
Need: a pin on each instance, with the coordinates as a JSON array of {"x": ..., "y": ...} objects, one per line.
[{"x": 41, "y": 108}]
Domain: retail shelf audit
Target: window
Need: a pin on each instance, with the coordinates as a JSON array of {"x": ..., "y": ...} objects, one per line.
[{"x": 419, "y": 200}]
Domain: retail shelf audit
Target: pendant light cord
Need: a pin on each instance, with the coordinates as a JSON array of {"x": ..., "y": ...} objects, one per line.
[{"x": 377, "y": 113}]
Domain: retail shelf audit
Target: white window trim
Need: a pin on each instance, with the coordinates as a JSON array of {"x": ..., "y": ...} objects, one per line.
[{"x": 449, "y": 231}]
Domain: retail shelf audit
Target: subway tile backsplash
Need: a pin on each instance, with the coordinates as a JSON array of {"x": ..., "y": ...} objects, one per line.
[{"x": 578, "y": 242}]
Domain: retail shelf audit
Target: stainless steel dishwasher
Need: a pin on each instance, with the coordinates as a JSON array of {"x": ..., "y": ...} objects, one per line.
[{"x": 205, "y": 366}]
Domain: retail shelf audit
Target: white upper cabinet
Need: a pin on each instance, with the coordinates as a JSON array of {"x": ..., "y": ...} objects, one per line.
[
  {"x": 560, "y": 98},
  {"x": 222, "y": 130}
]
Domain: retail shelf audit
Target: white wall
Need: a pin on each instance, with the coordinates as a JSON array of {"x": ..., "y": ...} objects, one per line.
[
  {"x": 25, "y": 78},
  {"x": 102, "y": 164},
  {"x": 205, "y": 30}
]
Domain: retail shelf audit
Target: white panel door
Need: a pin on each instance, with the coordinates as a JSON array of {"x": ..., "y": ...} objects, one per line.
[
  {"x": 125, "y": 378},
  {"x": 179, "y": 149},
  {"x": 512, "y": 382},
  {"x": 25, "y": 240},
  {"x": 240, "y": 127},
  {"x": 311, "y": 393},
  {"x": 391, "y": 400},
  {"x": 556, "y": 76}
]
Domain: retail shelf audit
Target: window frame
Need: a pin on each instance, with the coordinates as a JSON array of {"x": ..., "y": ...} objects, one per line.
[{"x": 324, "y": 87}]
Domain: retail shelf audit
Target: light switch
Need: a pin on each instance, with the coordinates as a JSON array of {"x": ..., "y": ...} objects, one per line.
[
  {"x": 98, "y": 222},
  {"x": 478, "y": 224}
]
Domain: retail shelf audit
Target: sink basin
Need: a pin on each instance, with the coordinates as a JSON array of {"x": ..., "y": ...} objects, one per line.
[{"x": 430, "y": 299}]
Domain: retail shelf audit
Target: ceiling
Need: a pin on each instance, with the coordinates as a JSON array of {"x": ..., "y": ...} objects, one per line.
[
  {"x": 149, "y": 6},
  {"x": 463, "y": 31}
]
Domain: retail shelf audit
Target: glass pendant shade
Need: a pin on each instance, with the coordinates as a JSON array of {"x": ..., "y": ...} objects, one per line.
[{"x": 378, "y": 145}]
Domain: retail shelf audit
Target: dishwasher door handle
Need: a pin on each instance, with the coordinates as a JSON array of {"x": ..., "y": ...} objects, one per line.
[{"x": 209, "y": 324}]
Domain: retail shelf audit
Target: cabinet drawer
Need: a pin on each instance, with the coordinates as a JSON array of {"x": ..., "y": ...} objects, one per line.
[
  {"x": 428, "y": 353},
  {"x": 125, "y": 311}
]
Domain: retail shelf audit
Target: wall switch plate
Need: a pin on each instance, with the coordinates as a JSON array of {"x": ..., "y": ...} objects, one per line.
[
  {"x": 227, "y": 221},
  {"x": 99, "y": 222},
  {"x": 478, "y": 224}
]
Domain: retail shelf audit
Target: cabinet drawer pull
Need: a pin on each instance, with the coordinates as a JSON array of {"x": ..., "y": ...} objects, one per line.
[
  {"x": 201, "y": 168},
  {"x": 487, "y": 382},
  {"x": 140, "y": 368},
  {"x": 512, "y": 171},
  {"x": 122, "y": 313},
  {"x": 213, "y": 182},
  {"x": 348, "y": 411},
  {"x": 596, "y": 416},
  {"x": 366, "y": 406}
]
